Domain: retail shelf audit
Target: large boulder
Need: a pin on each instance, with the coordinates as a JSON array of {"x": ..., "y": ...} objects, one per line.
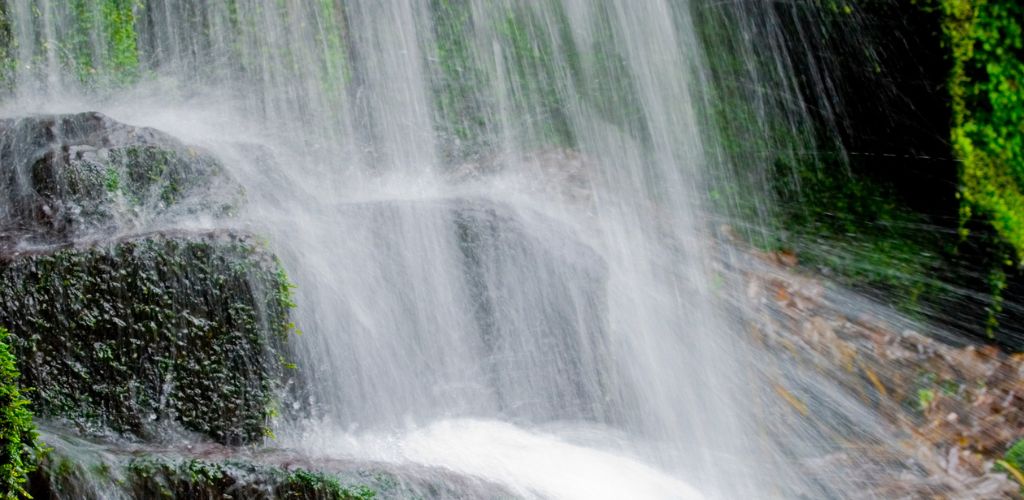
[
  {"x": 82, "y": 469},
  {"x": 126, "y": 331},
  {"x": 136, "y": 334},
  {"x": 539, "y": 300},
  {"x": 70, "y": 176}
]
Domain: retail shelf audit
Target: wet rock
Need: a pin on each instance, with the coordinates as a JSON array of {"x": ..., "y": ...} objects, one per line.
[
  {"x": 507, "y": 264},
  {"x": 535, "y": 313},
  {"x": 151, "y": 333},
  {"x": 80, "y": 469},
  {"x": 66, "y": 176}
]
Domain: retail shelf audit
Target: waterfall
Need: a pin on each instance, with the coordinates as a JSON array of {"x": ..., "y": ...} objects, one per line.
[{"x": 496, "y": 215}]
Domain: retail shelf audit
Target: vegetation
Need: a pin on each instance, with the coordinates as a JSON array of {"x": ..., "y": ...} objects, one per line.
[
  {"x": 19, "y": 444},
  {"x": 115, "y": 59},
  {"x": 155, "y": 329},
  {"x": 461, "y": 107},
  {"x": 900, "y": 172},
  {"x": 986, "y": 42},
  {"x": 164, "y": 478},
  {"x": 1013, "y": 463},
  {"x": 843, "y": 214}
]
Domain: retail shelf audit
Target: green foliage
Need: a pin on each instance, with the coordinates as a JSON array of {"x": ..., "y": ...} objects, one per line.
[
  {"x": 533, "y": 59},
  {"x": 857, "y": 229},
  {"x": 103, "y": 44},
  {"x": 19, "y": 445},
  {"x": 306, "y": 484},
  {"x": 113, "y": 183},
  {"x": 986, "y": 43},
  {"x": 864, "y": 217},
  {"x": 7, "y": 48},
  {"x": 925, "y": 398},
  {"x": 1015, "y": 455},
  {"x": 152, "y": 329},
  {"x": 461, "y": 108}
]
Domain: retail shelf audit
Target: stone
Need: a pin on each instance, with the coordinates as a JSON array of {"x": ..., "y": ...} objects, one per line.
[
  {"x": 66, "y": 177},
  {"x": 151, "y": 333}
]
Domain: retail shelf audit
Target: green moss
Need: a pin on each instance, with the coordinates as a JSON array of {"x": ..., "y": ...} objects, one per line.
[
  {"x": 158, "y": 173},
  {"x": 192, "y": 478},
  {"x": 90, "y": 175},
  {"x": 8, "y": 63},
  {"x": 19, "y": 444},
  {"x": 102, "y": 45},
  {"x": 986, "y": 44},
  {"x": 533, "y": 55},
  {"x": 461, "y": 111},
  {"x": 845, "y": 158},
  {"x": 857, "y": 229},
  {"x": 152, "y": 330},
  {"x": 306, "y": 484}
]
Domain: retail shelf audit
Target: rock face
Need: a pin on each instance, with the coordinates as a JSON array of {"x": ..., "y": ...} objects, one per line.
[
  {"x": 508, "y": 315},
  {"x": 67, "y": 176},
  {"x": 135, "y": 333},
  {"x": 78, "y": 469},
  {"x": 508, "y": 263}
]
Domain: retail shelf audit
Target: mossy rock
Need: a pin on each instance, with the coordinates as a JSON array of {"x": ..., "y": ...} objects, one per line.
[
  {"x": 77, "y": 468},
  {"x": 67, "y": 176},
  {"x": 192, "y": 478},
  {"x": 153, "y": 332},
  {"x": 152, "y": 476}
]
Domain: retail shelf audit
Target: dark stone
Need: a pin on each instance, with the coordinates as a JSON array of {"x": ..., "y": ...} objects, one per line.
[
  {"x": 537, "y": 303},
  {"x": 66, "y": 176},
  {"x": 79, "y": 469},
  {"x": 506, "y": 266},
  {"x": 155, "y": 332}
]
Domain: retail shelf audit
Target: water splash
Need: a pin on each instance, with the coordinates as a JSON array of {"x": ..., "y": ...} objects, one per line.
[
  {"x": 496, "y": 214},
  {"x": 530, "y": 463}
]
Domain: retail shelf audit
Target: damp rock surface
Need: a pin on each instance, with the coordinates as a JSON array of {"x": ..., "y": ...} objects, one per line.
[
  {"x": 83, "y": 469},
  {"x": 130, "y": 335},
  {"x": 121, "y": 325},
  {"x": 76, "y": 175}
]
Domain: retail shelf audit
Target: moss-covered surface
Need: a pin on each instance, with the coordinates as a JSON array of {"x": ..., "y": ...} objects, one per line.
[
  {"x": 19, "y": 444},
  {"x": 77, "y": 174},
  {"x": 97, "y": 45},
  {"x": 153, "y": 476},
  {"x": 134, "y": 334},
  {"x": 7, "y": 61},
  {"x": 530, "y": 61},
  {"x": 162, "y": 478},
  {"x": 986, "y": 42},
  {"x": 79, "y": 469},
  {"x": 461, "y": 107},
  {"x": 101, "y": 45}
]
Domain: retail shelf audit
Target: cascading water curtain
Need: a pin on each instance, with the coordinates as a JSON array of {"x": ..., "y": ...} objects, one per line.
[{"x": 499, "y": 217}]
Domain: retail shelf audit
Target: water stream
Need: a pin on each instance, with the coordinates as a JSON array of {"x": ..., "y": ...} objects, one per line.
[{"x": 496, "y": 216}]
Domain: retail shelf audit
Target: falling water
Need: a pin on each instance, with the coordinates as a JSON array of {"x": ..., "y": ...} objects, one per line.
[{"x": 495, "y": 214}]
